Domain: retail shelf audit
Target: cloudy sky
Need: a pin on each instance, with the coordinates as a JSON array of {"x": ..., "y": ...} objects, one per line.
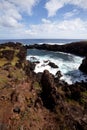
[{"x": 22, "y": 19}]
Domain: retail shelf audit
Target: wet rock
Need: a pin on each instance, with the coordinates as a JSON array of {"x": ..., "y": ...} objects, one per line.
[
  {"x": 58, "y": 74},
  {"x": 53, "y": 65},
  {"x": 33, "y": 59},
  {"x": 36, "y": 62},
  {"x": 83, "y": 66},
  {"x": 46, "y": 61}
]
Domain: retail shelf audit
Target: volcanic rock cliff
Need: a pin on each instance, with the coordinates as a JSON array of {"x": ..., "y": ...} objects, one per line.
[
  {"x": 30, "y": 101},
  {"x": 77, "y": 48}
]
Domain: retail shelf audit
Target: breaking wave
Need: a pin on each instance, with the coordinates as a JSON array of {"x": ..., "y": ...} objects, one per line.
[{"x": 68, "y": 64}]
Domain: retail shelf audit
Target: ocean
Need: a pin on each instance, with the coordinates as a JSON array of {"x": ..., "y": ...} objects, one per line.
[
  {"x": 68, "y": 64},
  {"x": 41, "y": 41}
]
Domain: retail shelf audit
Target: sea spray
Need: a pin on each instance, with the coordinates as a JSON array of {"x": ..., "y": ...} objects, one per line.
[{"x": 68, "y": 64}]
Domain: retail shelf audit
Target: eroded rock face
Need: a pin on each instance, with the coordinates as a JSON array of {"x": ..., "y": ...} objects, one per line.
[
  {"x": 49, "y": 91},
  {"x": 83, "y": 66}
]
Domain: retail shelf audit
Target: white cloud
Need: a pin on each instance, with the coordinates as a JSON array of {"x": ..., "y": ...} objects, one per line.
[
  {"x": 11, "y": 12},
  {"x": 74, "y": 25},
  {"x": 46, "y": 21},
  {"x": 7, "y": 21},
  {"x": 24, "y": 5},
  {"x": 80, "y": 3},
  {"x": 9, "y": 16},
  {"x": 75, "y": 28},
  {"x": 53, "y": 6},
  {"x": 71, "y": 13}
]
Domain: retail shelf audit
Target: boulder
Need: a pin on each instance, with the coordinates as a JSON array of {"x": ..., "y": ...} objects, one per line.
[{"x": 53, "y": 65}]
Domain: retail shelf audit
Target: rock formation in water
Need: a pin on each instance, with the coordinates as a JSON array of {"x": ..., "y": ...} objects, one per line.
[{"x": 53, "y": 65}]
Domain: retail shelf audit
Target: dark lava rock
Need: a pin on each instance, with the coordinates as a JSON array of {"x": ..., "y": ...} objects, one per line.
[
  {"x": 73, "y": 91},
  {"x": 29, "y": 68},
  {"x": 22, "y": 53},
  {"x": 33, "y": 58},
  {"x": 14, "y": 97},
  {"x": 8, "y": 54},
  {"x": 36, "y": 62},
  {"x": 46, "y": 61},
  {"x": 49, "y": 91},
  {"x": 39, "y": 75},
  {"x": 77, "y": 48},
  {"x": 53, "y": 65},
  {"x": 16, "y": 110},
  {"x": 58, "y": 74},
  {"x": 83, "y": 66}
]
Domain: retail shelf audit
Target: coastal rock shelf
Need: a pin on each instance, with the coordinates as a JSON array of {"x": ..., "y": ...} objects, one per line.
[
  {"x": 77, "y": 48},
  {"x": 37, "y": 101}
]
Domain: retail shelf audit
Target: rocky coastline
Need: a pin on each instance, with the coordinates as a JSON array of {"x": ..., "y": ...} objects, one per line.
[
  {"x": 77, "y": 48},
  {"x": 30, "y": 101}
]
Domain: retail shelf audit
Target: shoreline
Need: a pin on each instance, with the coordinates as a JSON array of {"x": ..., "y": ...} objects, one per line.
[
  {"x": 77, "y": 48},
  {"x": 37, "y": 101}
]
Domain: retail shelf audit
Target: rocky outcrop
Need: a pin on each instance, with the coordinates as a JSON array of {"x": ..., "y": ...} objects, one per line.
[
  {"x": 58, "y": 74},
  {"x": 83, "y": 66},
  {"x": 50, "y": 95},
  {"x": 53, "y": 65},
  {"x": 77, "y": 48}
]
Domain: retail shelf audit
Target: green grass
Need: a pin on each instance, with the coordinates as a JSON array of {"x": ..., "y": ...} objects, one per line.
[
  {"x": 4, "y": 61},
  {"x": 17, "y": 74},
  {"x": 3, "y": 81},
  {"x": 14, "y": 61},
  {"x": 36, "y": 86}
]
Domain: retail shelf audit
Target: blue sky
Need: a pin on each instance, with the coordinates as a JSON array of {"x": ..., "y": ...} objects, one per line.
[{"x": 21, "y": 19}]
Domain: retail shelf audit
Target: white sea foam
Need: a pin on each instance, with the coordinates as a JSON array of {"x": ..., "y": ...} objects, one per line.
[
  {"x": 68, "y": 65},
  {"x": 51, "y": 43}
]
